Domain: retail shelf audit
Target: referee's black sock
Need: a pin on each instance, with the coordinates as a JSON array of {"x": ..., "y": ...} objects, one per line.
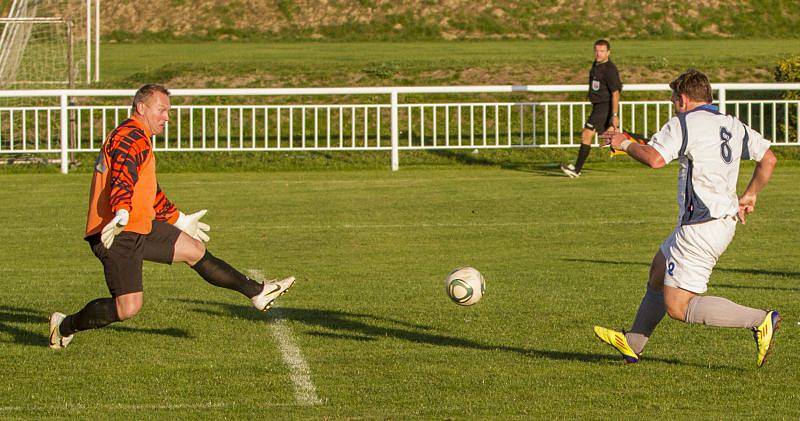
[
  {"x": 218, "y": 273},
  {"x": 97, "y": 313},
  {"x": 583, "y": 153}
]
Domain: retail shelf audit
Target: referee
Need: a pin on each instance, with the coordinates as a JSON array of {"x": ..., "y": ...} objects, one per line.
[{"x": 604, "y": 88}]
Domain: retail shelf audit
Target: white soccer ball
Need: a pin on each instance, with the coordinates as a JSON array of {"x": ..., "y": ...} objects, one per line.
[{"x": 465, "y": 286}]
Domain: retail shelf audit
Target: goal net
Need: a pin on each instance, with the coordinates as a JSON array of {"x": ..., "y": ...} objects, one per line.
[
  {"x": 42, "y": 43},
  {"x": 36, "y": 51}
]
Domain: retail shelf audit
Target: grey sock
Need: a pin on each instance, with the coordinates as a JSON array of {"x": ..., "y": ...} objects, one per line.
[
  {"x": 650, "y": 313},
  {"x": 718, "y": 311}
]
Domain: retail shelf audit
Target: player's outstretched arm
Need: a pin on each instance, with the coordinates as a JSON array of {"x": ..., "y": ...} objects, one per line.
[
  {"x": 761, "y": 176},
  {"x": 645, "y": 154}
]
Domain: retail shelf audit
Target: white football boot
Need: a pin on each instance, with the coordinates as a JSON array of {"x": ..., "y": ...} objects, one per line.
[
  {"x": 272, "y": 290},
  {"x": 569, "y": 171},
  {"x": 56, "y": 340}
]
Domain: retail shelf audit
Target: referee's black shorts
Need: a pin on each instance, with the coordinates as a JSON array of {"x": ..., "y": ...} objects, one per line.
[
  {"x": 122, "y": 263},
  {"x": 600, "y": 118}
]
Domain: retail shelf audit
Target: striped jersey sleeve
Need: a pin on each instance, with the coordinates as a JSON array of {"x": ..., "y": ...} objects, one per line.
[
  {"x": 165, "y": 210},
  {"x": 127, "y": 149}
]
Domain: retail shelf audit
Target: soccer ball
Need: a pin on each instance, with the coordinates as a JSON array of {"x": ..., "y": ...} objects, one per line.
[{"x": 465, "y": 286}]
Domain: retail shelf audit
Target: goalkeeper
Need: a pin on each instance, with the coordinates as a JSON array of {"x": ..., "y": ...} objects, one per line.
[{"x": 131, "y": 220}]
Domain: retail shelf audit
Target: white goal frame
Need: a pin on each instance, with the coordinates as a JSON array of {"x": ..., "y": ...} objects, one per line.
[
  {"x": 85, "y": 28},
  {"x": 5, "y": 54}
]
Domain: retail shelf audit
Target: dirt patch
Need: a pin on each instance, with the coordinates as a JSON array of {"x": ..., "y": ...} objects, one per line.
[
  {"x": 523, "y": 74},
  {"x": 448, "y": 19}
]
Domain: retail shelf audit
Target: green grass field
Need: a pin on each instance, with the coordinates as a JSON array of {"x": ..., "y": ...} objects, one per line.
[
  {"x": 306, "y": 64},
  {"x": 369, "y": 315}
]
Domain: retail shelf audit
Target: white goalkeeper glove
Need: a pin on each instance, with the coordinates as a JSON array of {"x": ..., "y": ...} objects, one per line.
[
  {"x": 113, "y": 228},
  {"x": 191, "y": 225}
]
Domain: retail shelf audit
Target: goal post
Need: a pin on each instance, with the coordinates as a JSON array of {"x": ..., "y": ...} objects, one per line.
[
  {"x": 36, "y": 51},
  {"x": 42, "y": 32}
]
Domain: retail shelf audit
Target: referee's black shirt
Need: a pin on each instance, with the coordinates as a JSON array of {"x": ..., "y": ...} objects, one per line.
[{"x": 603, "y": 80}]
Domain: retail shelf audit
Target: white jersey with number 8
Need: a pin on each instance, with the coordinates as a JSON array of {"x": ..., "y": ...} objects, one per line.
[{"x": 709, "y": 147}]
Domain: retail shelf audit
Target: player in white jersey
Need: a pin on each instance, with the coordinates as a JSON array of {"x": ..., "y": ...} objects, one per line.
[{"x": 709, "y": 147}]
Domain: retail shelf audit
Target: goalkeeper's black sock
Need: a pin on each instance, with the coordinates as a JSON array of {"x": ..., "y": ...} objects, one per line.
[
  {"x": 218, "y": 273},
  {"x": 583, "y": 153},
  {"x": 97, "y": 313}
]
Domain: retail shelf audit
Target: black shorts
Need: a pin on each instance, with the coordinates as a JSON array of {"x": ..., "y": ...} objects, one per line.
[
  {"x": 600, "y": 119},
  {"x": 122, "y": 263}
]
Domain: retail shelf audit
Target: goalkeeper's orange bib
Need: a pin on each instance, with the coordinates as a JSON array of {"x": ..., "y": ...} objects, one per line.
[{"x": 124, "y": 177}]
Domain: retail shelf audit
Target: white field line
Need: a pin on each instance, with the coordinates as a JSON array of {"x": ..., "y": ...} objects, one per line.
[{"x": 304, "y": 391}]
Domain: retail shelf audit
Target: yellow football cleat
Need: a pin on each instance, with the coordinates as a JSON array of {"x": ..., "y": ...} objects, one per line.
[
  {"x": 618, "y": 341},
  {"x": 764, "y": 335},
  {"x": 615, "y": 152}
]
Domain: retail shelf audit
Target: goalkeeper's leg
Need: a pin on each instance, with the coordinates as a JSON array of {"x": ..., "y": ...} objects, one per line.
[
  {"x": 122, "y": 266},
  {"x": 95, "y": 314},
  {"x": 214, "y": 270}
]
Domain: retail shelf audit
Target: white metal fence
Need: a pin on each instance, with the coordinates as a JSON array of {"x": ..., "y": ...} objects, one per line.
[{"x": 392, "y": 126}]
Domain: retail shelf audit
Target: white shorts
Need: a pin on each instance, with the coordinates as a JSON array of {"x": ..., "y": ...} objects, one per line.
[{"x": 692, "y": 251}]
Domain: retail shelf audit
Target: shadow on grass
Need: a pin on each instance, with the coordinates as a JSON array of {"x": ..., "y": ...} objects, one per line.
[
  {"x": 168, "y": 331},
  {"x": 341, "y": 325},
  {"x": 459, "y": 156},
  {"x": 550, "y": 169},
  {"x": 38, "y": 335},
  {"x": 716, "y": 269},
  {"x": 10, "y": 316}
]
